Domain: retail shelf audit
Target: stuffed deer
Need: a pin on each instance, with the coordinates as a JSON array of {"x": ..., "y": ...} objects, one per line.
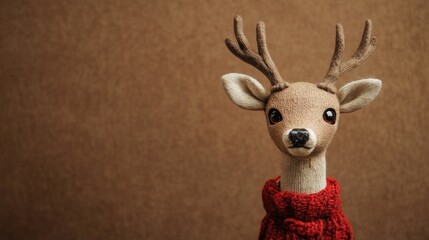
[{"x": 301, "y": 118}]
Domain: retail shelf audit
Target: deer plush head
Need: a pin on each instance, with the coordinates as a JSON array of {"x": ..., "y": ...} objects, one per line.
[{"x": 301, "y": 117}]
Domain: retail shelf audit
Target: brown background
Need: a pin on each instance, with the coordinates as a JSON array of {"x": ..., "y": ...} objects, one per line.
[{"x": 114, "y": 124}]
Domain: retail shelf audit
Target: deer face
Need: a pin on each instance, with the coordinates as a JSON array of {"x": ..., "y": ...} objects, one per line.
[{"x": 301, "y": 117}]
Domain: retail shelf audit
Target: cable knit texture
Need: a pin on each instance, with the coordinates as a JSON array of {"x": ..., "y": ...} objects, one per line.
[{"x": 303, "y": 216}]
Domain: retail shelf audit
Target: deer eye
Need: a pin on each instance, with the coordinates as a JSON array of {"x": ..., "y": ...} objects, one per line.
[
  {"x": 330, "y": 116},
  {"x": 274, "y": 116}
]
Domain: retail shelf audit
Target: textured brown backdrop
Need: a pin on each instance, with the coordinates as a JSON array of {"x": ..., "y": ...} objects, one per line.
[{"x": 114, "y": 124}]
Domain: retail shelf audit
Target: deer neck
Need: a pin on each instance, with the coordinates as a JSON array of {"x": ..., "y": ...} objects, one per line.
[{"x": 303, "y": 174}]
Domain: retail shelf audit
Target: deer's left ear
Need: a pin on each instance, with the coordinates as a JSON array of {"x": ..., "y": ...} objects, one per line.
[{"x": 356, "y": 95}]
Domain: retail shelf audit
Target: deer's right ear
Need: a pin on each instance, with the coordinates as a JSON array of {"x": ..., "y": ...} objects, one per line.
[{"x": 245, "y": 91}]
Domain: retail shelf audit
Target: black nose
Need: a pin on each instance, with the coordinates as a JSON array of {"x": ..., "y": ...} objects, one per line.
[{"x": 299, "y": 136}]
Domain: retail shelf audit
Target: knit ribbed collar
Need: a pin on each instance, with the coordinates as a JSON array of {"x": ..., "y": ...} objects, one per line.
[{"x": 304, "y": 207}]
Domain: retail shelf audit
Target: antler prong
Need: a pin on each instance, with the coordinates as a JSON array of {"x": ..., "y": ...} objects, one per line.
[
  {"x": 233, "y": 48},
  {"x": 261, "y": 40},
  {"x": 366, "y": 47},
  {"x": 336, "y": 58},
  {"x": 239, "y": 33},
  {"x": 366, "y": 37}
]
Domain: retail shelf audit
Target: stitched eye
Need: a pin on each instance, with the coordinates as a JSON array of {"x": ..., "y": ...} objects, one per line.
[
  {"x": 330, "y": 116},
  {"x": 274, "y": 116}
]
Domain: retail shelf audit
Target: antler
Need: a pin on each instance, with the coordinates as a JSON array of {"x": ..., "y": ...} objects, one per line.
[
  {"x": 261, "y": 60},
  {"x": 337, "y": 68}
]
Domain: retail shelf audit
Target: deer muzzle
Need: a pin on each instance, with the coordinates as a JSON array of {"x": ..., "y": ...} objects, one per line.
[{"x": 300, "y": 141}]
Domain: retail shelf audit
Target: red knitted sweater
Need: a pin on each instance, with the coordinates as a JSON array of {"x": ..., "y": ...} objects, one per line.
[{"x": 303, "y": 216}]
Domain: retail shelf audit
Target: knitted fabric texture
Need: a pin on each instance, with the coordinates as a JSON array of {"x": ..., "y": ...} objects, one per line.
[{"x": 303, "y": 216}]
